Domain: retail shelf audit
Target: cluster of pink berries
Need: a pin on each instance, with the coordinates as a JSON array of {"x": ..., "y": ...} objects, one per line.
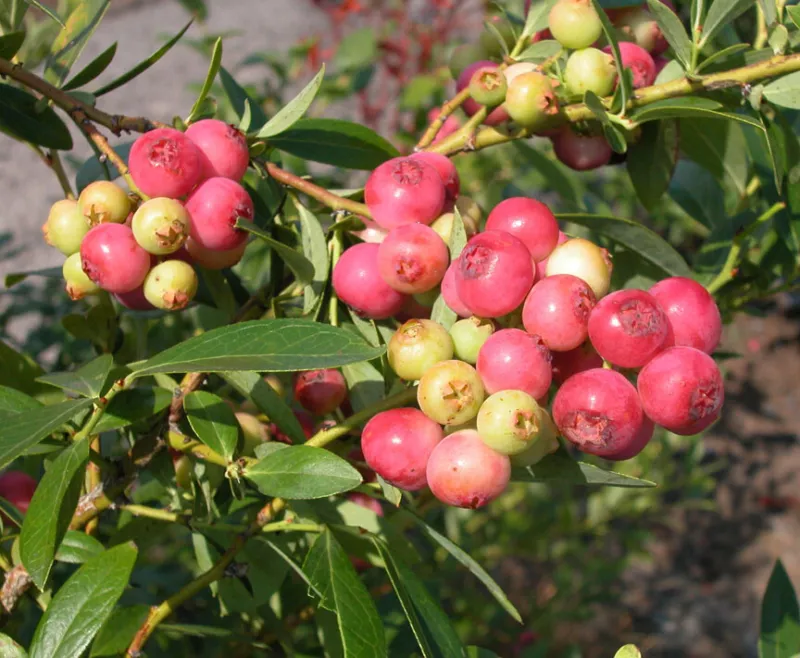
[
  {"x": 144, "y": 252},
  {"x": 537, "y": 311}
]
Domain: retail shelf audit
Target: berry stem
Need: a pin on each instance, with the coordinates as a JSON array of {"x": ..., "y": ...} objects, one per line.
[
  {"x": 436, "y": 125},
  {"x": 93, "y": 480}
]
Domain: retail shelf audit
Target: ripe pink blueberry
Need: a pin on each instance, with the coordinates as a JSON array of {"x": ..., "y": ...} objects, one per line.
[
  {"x": 581, "y": 152},
  {"x": 113, "y": 259},
  {"x": 557, "y": 310},
  {"x": 65, "y": 227},
  {"x": 17, "y": 488},
  {"x": 692, "y": 313},
  {"x": 404, "y": 191},
  {"x": 213, "y": 259},
  {"x": 681, "y": 389},
  {"x": 628, "y": 328},
  {"x": 513, "y": 359},
  {"x": 418, "y": 345},
  {"x": 447, "y": 170},
  {"x": 103, "y": 201},
  {"x": 450, "y": 292},
  {"x": 171, "y": 285},
  {"x": 320, "y": 391},
  {"x": 214, "y": 207},
  {"x": 223, "y": 146},
  {"x": 464, "y": 472},
  {"x": 599, "y": 412},
  {"x": 165, "y": 162},
  {"x": 494, "y": 274},
  {"x": 566, "y": 364},
  {"x": 134, "y": 300},
  {"x": 397, "y": 445},
  {"x": 470, "y": 106},
  {"x": 529, "y": 220},
  {"x": 450, "y": 392},
  {"x": 642, "y": 26},
  {"x": 358, "y": 283},
  {"x": 161, "y": 225},
  {"x": 413, "y": 259},
  {"x": 639, "y": 61},
  {"x": 637, "y": 444},
  {"x": 451, "y": 124}
]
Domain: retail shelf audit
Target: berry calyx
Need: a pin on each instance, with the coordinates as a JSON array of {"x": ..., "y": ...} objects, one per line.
[
  {"x": 511, "y": 359},
  {"x": 488, "y": 86},
  {"x": 529, "y": 220},
  {"x": 111, "y": 257},
  {"x": 161, "y": 226},
  {"x": 413, "y": 259},
  {"x": 165, "y": 162},
  {"x": 509, "y": 422},
  {"x": 557, "y": 310},
  {"x": 65, "y": 227},
  {"x": 546, "y": 443},
  {"x": 103, "y": 201},
  {"x": 468, "y": 336},
  {"x": 450, "y": 392},
  {"x": 320, "y": 391},
  {"x": 417, "y": 346},
  {"x": 470, "y": 106},
  {"x": 693, "y": 314},
  {"x": 78, "y": 284},
  {"x": 574, "y": 23},
  {"x": 531, "y": 101},
  {"x": 585, "y": 260},
  {"x": 592, "y": 70},
  {"x": 214, "y": 207},
  {"x": 358, "y": 283},
  {"x": 171, "y": 285},
  {"x": 223, "y": 146}
]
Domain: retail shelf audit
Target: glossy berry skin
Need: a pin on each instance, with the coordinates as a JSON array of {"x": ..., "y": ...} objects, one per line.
[
  {"x": 447, "y": 170},
  {"x": 574, "y": 23},
  {"x": 214, "y": 207},
  {"x": 639, "y": 61},
  {"x": 530, "y": 221},
  {"x": 557, "y": 310},
  {"x": 171, "y": 285},
  {"x": 592, "y": 70},
  {"x": 113, "y": 259},
  {"x": 417, "y": 346},
  {"x": 585, "y": 260},
  {"x": 566, "y": 364},
  {"x": 470, "y": 106},
  {"x": 320, "y": 391},
  {"x": 693, "y": 314},
  {"x": 531, "y": 101},
  {"x": 509, "y": 422},
  {"x": 413, "y": 259},
  {"x": 637, "y": 444},
  {"x": 212, "y": 259},
  {"x": 599, "y": 412},
  {"x": 78, "y": 285},
  {"x": 488, "y": 86},
  {"x": 161, "y": 226},
  {"x": 494, "y": 274},
  {"x": 513, "y": 359},
  {"x": 223, "y": 146},
  {"x": 165, "y": 162},
  {"x": 17, "y": 488},
  {"x": 581, "y": 152},
  {"x": 65, "y": 227},
  {"x": 134, "y": 300},
  {"x": 464, "y": 472},
  {"x": 404, "y": 191},
  {"x": 450, "y": 393},
  {"x": 468, "y": 336},
  {"x": 682, "y": 390},
  {"x": 358, "y": 283},
  {"x": 541, "y": 266},
  {"x": 450, "y": 292},
  {"x": 103, "y": 201},
  {"x": 397, "y": 445},
  {"x": 628, "y": 328}
]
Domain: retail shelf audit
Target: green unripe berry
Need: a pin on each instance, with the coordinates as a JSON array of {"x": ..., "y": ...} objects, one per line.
[
  {"x": 450, "y": 393},
  {"x": 78, "y": 284},
  {"x": 530, "y": 100},
  {"x": 468, "y": 336},
  {"x": 509, "y": 422},
  {"x": 592, "y": 70},
  {"x": 65, "y": 227},
  {"x": 575, "y": 23},
  {"x": 103, "y": 201},
  {"x": 183, "y": 471},
  {"x": 546, "y": 444},
  {"x": 488, "y": 86},
  {"x": 161, "y": 226},
  {"x": 170, "y": 285},
  {"x": 428, "y": 298},
  {"x": 254, "y": 433},
  {"x": 417, "y": 346}
]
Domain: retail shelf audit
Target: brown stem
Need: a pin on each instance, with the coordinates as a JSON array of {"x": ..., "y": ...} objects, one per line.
[
  {"x": 17, "y": 582},
  {"x": 329, "y": 199},
  {"x": 436, "y": 125}
]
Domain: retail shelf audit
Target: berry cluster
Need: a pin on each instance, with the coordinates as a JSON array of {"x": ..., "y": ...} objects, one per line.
[
  {"x": 538, "y": 318},
  {"x": 144, "y": 252}
]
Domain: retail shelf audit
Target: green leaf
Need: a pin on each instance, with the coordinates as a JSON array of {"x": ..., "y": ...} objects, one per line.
[
  {"x": 301, "y": 473},
  {"x": 46, "y": 10},
  {"x": 722, "y": 13},
  {"x": 628, "y": 651},
  {"x": 93, "y": 169},
  {"x": 478, "y": 652},
  {"x": 82, "y": 604},
  {"x": 559, "y": 468},
  {"x": 78, "y": 547},
  {"x": 677, "y": 108},
  {"x": 89, "y": 381},
  {"x": 283, "y": 345},
  {"x": 635, "y": 237},
  {"x": 610, "y": 33},
  {"x": 213, "y": 69},
  {"x": 540, "y": 51},
  {"x": 328, "y": 568},
  {"x": 673, "y": 31},
  {"x": 92, "y": 69},
  {"x": 365, "y": 384},
  {"x": 536, "y": 20},
  {"x": 391, "y": 493},
  {"x": 770, "y": 11},
  {"x": 25, "y": 429},
  {"x": 10, "y": 649},
  {"x": 335, "y": 142},
  {"x": 10, "y": 43},
  {"x": 133, "y": 405},
  {"x": 23, "y": 119},
  {"x": 142, "y": 66},
  {"x": 785, "y": 91},
  {"x": 51, "y": 510},
  {"x": 288, "y": 115},
  {"x": 116, "y": 634},
  {"x": 315, "y": 248},
  {"x": 721, "y": 54},
  {"x": 70, "y": 42},
  {"x": 13, "y": 402},
  {"x": 431, "y": 627},
  {"x": 213, "y": 422},
  {"x": 297, "y": 262},
  {"x": 238, "y": 97},
  {"x": 18, "y": 371},
  {"x": 465, "y": 559},
  {"x": 357, "y": 50},
  {"x": 794, "y": 14},
  {"x": 651, "y": 161},
  {"x": 720, "y": 147},
  {"x": 780, "y": 617}
]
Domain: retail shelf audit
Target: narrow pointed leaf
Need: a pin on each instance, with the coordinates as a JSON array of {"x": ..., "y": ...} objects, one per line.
[
  {"x": 90, "y": 380},
  {"x": 213, "y": 422},
  {"x": 315, "y": 248},
  {"x": 294, "y": 110},
  {"x": 297, "y": 262},
  {"x": 92, "y": 69},
  {"x": 610, "y": 34},
  {"x": 118, "y": 631},
  {"x": 46, "y": 10},
  {"x": 628, "y": 651},
  {"x": 673, "y": 31},
  {"x": 651, "y": 160},
  {"x": 239, "y": 97},
  {"x": 536, "y": 20},
  {"x": 13, "y": 402},
  {"x": 77, "y": 547},
  {"x": 365, "y": 384},
  {"x": 21, "y": 118},
  {"x": 780, "y": 617},
  {"x": 559, "y": 468},
  {"x": 213, "y": 69},
  {"x": 133, "y": 405},
  {"x": 720, "y": 14},
  {"x": 785, "y": 91},
  {"x": 10, "y": 43},
  {"x": 10, "y": 649},
  {"x": 70, "y": 42}
]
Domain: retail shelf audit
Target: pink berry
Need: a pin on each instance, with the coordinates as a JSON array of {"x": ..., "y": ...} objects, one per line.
[
  {"x": 566, "y": 364},
  {"x": 496, "y": 116},
  {"x": 642, "y": 26},
  {"x": 464, "y": 472},
  {"x": 413, "y": 258},
  {"x": 371, "y": 232},
  {"x": 581, "y": 152},
  {"x": 113, "y": 259},
  {"x": 320, "y": 391},
  {"x": 367, "y": 502},
  {"x": 214, "y": 207},
  {"x": 599, "y": 412},
  {"x": 165, "y": 162},
  {"x": 494, "y": 274},
  {"x": 212, "y": 259},
  {"x": 681, "y": 389},
  {"x": 134, "y": 300},
  {"x": 529, "y": 220},
  {"x": 451, "y": 124},
  {"x": 541, "y": 266},
  {"x": 628, "y": 328},
  {"x": 660, "y": 61},
  {"x": 397, "y": 444},
  {"x": 404, "y": 191},
  {"x": 639, "y": 61},
  {"x": 447, "y": 170},
  {"x": 223, "y": 146},
  {"x": 358, "y": 283},
  {"x": 450, "y": 293},
  {"x": 512, "y": 359},
  {"x": 692, "y": 313},
  {"x": 17, "y": 488},
  {"x": 557, "y": 310},
  {"x": 637, "y": 444}
]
